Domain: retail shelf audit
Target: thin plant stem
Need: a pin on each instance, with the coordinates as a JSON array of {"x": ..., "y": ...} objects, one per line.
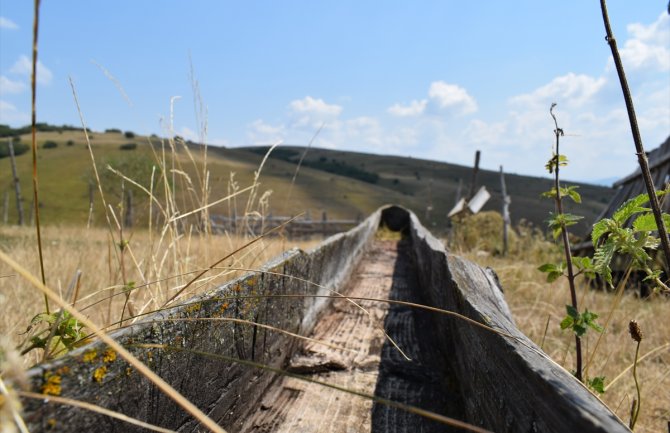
[
  {"x": 636, "y": 406},
  {"x": 566, "y": 244},
  {"x": 36, "y": 202},
  {"x": 637, "y": 138}
]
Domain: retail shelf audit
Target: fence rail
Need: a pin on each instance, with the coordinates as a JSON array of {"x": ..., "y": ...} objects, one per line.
[{"x": 299, "y": 227}]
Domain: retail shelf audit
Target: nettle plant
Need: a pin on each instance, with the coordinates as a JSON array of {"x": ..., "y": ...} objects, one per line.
[
  {"x": 630, "y": 233},
  {"x": 578, "y": 322}
]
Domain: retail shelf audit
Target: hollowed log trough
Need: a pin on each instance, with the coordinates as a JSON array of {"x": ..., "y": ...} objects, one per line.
[{"x": 498, "y": 381}]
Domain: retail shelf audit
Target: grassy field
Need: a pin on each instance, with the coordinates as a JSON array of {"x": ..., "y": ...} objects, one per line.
[
  {"x": 339, "y": 183},
  {"x": 152, "y": 265}
]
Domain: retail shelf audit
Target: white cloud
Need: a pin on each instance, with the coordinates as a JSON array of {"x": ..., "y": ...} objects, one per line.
[
  {"x": 312, "y": 113},
  {"x": 6, "y": 23},
  {"x": 573, "y": 89},
  {"x": 452, "y": 96},
  {"x": 9, "y": 114},
  {"x": 315, "y": 106},
  {"x": 260, "y": 132},
  {"x": 648, "y": 46},
  {"x": 415, "y": 108},
  {"x": 24, "y": 66},
  {"x": 8, "y": 86},
  {"x": 479, "y": 131}
]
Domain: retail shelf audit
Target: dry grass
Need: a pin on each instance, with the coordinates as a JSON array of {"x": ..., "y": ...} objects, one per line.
[
  {"x": 538, "y": 306},
  {"x": 69, "y": 249}
]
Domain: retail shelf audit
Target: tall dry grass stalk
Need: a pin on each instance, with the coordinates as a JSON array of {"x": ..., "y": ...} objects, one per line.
[{"x": 145, "y": 268}]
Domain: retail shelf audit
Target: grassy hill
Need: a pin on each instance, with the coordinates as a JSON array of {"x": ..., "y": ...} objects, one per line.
[
  {"x": 343, "y": 184},
  {"x": 418, "y": 183}
]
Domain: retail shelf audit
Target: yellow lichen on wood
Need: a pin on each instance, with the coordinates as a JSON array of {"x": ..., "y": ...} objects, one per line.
[
  {"x": 193, "y": 308},
  {"x": 109, "y": 355},
  {"x": 90, "y": 355},
  {"x": 52, "y": 384},
  {"x": 100, "y": 373}
]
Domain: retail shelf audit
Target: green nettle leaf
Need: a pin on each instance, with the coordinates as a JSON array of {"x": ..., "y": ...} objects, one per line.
[
  {"x": 584, "y": 264},
  {"x": 603, "y": 226},
  {"x": 630, "y": 208},
  {"x": 43, "y": 317},
  {"x": 553, "y": 271},
  {"x": 549, "y": 194},
  {"x": 645, "y": 223},
  {"x": 574, "y": 195},
  {"x": 653, "y": 275},
  {"x": 567, "y": 322},
  {"x": 597, "y": 384},
  {"x": 579, "y": 329},
  {"x": 579, "y": 323},
  {"x": 550, "y": 166},
  {"x": 602, "y": 259},
  {"x": 558, "y": 221}
]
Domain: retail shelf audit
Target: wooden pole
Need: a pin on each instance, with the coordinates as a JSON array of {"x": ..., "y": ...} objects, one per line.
[
  {"x": 505, "y": 210},
  {"x": 475, "y": 171},
  {"x": 5, "y": 208},
  {"x": 91, "y": 187},
  {"x": 458, "y": 191},
  {"x": 128, "y": 215},
  {"x": 17, "y": 186}
]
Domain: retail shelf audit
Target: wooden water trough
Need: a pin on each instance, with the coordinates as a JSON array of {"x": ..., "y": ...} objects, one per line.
[{"x": 394, "y": 356}]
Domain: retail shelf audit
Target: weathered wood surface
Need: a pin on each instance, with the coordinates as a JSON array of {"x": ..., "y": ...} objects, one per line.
[
  {"x": 508, "y": 385},
  {"x": 502, "y": 384},
  {"x": 367, "y": 362},
  {"x": 226, "y": 391}
]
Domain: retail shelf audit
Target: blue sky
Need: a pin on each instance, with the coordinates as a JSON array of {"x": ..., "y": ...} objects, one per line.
[{"x": 430, "y": 79}]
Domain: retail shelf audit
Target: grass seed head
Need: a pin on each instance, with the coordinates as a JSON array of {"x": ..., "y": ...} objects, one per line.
[{"x": 635, "y": 331}]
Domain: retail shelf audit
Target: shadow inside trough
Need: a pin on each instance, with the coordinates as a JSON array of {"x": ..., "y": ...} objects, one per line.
[{"x": 426, "y": 381}]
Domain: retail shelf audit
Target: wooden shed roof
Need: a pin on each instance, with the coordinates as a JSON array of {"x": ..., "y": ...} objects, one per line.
[{"x": 633, "y": 185}]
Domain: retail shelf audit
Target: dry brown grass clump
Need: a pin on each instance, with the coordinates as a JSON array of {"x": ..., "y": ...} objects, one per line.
[
  {"x": 538, "y": 308},
  {"x": 156, "y": 271}
]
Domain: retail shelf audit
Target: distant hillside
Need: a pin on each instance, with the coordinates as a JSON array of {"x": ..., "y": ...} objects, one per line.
[
  {"x": 418, "y": 183},
  {"x": 343, "y": 184}
]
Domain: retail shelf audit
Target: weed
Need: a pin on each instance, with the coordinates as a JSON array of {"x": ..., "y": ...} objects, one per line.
[{"x": 559, "y": 223}]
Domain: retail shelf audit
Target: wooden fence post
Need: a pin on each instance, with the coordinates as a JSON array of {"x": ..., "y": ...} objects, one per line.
[
  {"x": 475, "y": 171},
  {"x": 17, "y": 186},
  {"x": 91, "y": 189},
  {"x": 505, "y": 210},
  {"x": 5, "y": 208},
  {"x": 128, "y": 215}
]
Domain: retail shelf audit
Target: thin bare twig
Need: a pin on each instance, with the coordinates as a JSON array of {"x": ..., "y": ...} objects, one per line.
[{"x": 637, "y": 138}]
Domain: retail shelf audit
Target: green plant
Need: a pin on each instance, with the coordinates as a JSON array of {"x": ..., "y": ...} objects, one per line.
[
  {"x": 129, "y": 134},
  {"x": 612, "y": 236},
  {"x": 62, "y": 332},
  {"x": 49, "y": 145},
  {"x": 128, "y": 146},
  {"x": 637, "y": 138},
  {"x": 559, "y": 223}
]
